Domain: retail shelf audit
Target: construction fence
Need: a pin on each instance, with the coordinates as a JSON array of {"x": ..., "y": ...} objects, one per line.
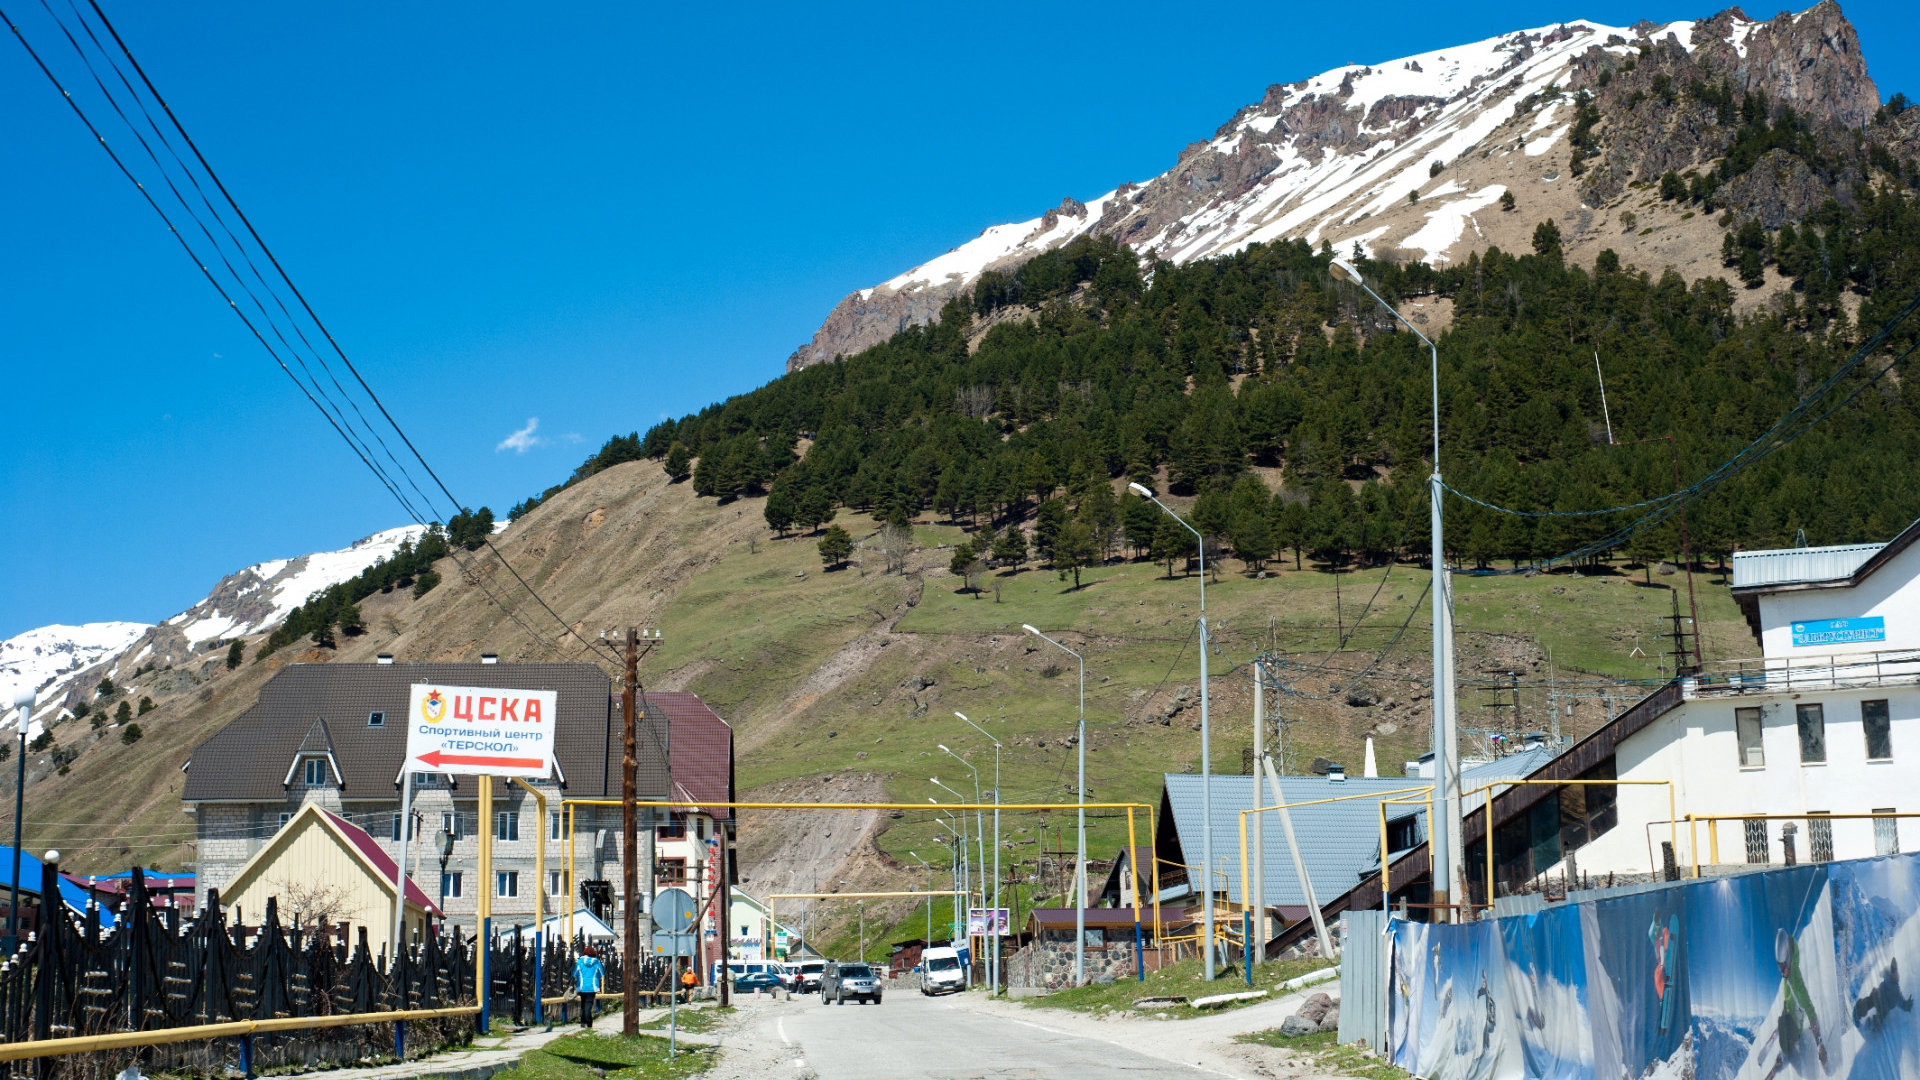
[{"x": 1787, "y": 974}]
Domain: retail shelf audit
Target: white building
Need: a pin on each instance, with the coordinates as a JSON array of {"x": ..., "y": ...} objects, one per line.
[
  {"x": 1825, "y": 721},
  {"x": 1732, "y": 763}
]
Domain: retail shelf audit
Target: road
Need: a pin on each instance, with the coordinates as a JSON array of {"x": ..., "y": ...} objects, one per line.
[{"x": 910, "y": 1037}]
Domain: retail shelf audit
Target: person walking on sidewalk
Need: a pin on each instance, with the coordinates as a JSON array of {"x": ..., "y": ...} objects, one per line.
[{"x": 587, "y": 977}]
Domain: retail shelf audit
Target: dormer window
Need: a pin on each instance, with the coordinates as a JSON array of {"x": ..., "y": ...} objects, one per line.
[
  {"x": 315, "y": 772},
  {"x": 377, "y": 718}
]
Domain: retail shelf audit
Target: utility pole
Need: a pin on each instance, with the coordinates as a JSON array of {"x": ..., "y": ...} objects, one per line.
[{"x": 629, "y": 841}]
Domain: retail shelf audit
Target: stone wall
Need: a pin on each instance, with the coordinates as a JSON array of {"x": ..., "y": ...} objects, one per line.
[{"x": 1048, "y": 965}]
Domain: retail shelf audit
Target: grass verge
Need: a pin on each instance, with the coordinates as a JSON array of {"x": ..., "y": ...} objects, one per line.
[
  {"x": 695, "y": 1019},
  {"x": 1329, "y": 1055},
  {"x": 589, "y": 1056},
  {"x": 1183, "y": 979}
]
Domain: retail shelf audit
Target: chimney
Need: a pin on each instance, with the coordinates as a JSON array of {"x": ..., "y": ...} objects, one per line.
[
  {"x": 1336, "y": 773},
  {"x": 489, "y": 658},
  {"x": 1372, "y": 768},
  {"x": 384, "y": 658}
]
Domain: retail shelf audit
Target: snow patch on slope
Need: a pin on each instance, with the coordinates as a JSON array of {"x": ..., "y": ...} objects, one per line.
[{"x": 43, "y": 654}]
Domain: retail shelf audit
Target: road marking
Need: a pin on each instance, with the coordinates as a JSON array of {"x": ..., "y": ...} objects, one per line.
[{"x": 780, "y": 1025}]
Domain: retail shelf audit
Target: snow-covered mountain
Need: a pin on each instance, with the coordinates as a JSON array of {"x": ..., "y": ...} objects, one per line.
[
  {"x": 64, "y": 662},
  {"x": 1335, "y": 157}
]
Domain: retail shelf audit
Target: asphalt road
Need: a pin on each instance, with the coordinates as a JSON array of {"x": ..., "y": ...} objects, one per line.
[{"x": 910, "y": 1037}]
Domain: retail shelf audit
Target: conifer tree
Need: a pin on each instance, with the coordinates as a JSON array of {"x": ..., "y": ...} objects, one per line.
[
  {"x": 122, "y": 714},
  {"x": 678, "y": 464},
  {"x": 236, "y": 651},
  {"x": 836, "y": 546}
]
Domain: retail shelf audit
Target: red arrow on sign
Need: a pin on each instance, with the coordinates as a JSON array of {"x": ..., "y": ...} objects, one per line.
[{"x": 436, "y": 758}]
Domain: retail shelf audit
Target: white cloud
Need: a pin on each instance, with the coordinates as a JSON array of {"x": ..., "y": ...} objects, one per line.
[{"x": 523, "y": 440}]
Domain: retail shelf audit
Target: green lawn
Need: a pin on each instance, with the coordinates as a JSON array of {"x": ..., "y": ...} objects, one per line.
[
  {"x": 644, "y": 1057},
  {"x": 1182, "y": 979}
]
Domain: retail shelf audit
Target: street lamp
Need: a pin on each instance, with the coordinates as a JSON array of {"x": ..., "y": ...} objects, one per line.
[
  {"x": 1446, "y": 842},
  {"x": 930, "y": 876},
  {"x": 959, "y": 880},
  {"x": 1206, "y": 734},
  {"x": 862, "y": 905},
  {"x": 23, "y": 696},
  {"x": 1080, "y": 855},
  {"x": 994, "y": 919}
]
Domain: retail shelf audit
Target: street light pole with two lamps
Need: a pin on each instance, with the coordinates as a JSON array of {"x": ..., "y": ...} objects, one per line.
[
  {"x": 994, "y": 919},
  {"x": 1446, "y": 841},
  {"x": 1080, "y": 796},
  {"x": 1206, "y": 737}
]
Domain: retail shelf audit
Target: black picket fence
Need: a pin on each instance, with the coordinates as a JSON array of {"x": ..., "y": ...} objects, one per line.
[{"x": 151, "y": 970}]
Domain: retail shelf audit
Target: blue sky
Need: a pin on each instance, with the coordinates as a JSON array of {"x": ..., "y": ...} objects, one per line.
[{"x": 592, "y": 216}]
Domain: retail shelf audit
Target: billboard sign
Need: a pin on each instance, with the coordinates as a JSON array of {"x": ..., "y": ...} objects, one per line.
[
  {"x": 1839, "y": 631},
  {"x": 480, "y": 731},
  {"x": 987, "y": 922}
]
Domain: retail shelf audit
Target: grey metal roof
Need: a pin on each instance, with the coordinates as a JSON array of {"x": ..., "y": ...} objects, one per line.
[
  {"x": 1799, "y": 566},
  {"x": 1338, "y": 841},
  {"x": 249, "y": 758}
]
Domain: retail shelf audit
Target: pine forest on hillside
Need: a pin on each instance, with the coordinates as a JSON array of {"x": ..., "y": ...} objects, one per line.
[{"x": 1262, "y": 359}]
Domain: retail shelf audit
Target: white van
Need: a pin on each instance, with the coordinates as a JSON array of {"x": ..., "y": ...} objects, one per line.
[{"x": 940, "y": 971}]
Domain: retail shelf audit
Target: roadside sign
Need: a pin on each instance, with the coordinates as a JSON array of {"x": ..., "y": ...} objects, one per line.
[
  {"x": 674, "y": 911},
  {"x": 480, "y": 731},
  {"x": 665, "y": 944},
  {"x": 984, "y": 922}
]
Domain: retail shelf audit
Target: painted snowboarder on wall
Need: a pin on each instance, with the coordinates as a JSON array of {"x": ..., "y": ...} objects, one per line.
[
  {"x": 1797, "y": 1016},
  {"x": 1666, "y": 951}
]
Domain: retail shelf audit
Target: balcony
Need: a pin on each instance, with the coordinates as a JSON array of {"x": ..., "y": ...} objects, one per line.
[{"x": 1803, "y": 674}]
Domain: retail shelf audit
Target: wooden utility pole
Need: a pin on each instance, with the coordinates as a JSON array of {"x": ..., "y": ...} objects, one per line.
[{"x": 630, "y": 841}]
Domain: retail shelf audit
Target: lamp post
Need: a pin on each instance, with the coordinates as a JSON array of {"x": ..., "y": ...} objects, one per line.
[
  {"x": 1080, "y": 796},
  {"x": 1206, "y": 736},
  {"x": 980, "y": 845},
  {"x": 916, "y": 858},
  {"x": 1445, "y": 843},
  {"x": 23, "y": 696},
  {"x": 995, "y": 907},
  {"x": 959, "y": 880}
]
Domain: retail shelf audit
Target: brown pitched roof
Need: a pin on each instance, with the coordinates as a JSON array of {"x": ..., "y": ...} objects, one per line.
[
  {"x": 249, "y": 759},
  {"x": 701, "y": 744}
]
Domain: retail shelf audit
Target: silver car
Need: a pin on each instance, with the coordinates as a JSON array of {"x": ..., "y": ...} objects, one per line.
[{"x": 840, "y": 982}]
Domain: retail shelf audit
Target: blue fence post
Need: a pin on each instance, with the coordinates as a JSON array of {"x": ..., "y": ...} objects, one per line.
[
  {"x": 1139, "y": 958},
  {"x": 1246, "y": 944},
  {"x": 246, "y": 1055},
  {"x": 400, "y": 1039},
  {"x": 539, "y": 988}
]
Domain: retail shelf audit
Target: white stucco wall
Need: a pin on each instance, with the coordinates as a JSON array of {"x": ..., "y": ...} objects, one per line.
[
  {"x": 1892, "y": 592},
  {"x": 1695, "y": 745}
]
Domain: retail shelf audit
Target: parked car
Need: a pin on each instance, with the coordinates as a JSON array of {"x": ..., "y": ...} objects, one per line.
[
  {"x": 756, "y": 980},
  {"x": 804, "y": 977},
  {"x": 842, "y": 981},
  {"x": 940, "y": 971}
]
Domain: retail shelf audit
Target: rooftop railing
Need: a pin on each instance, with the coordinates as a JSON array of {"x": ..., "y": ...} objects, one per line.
[{"x": 1793, "y": 674}]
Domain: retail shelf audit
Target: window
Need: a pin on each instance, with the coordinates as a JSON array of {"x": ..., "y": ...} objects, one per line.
[
  {"x": 1886, "y": 833},
  {"x": 316, "y": 771},
  {"x": 1813, "y": 734},
  {"x": 1873, "y": 717},
  {"x": 376, "y": 718},
  {"x": 506, "y": 825},
  {"x": 672, "y": 830},
  {"x": 284, "y": 818},
  {"x": 1746, "y": 725},
  {"x": 450, "y": 884},
  {"x": 507, "y": 883},
  {"x": 394, "y": 830},
  {"x": 1819, "y": 837},
  {"x": 555, "y": 829},
  {"x": 450, "y": 823},
  {"x": 670, "y": 871},
  {"x": 429, "y": 780},
  {"x": 556, "y": 883},
  {"x": 1759, "y": 849}
]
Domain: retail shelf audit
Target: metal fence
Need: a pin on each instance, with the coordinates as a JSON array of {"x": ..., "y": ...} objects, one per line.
[
  {"x": 79, "y": 987},
  {"x": 1363, "y": 977}
]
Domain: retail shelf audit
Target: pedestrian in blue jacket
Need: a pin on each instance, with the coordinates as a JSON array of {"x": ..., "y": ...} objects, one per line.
[{"x": 587, "y": 976}]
